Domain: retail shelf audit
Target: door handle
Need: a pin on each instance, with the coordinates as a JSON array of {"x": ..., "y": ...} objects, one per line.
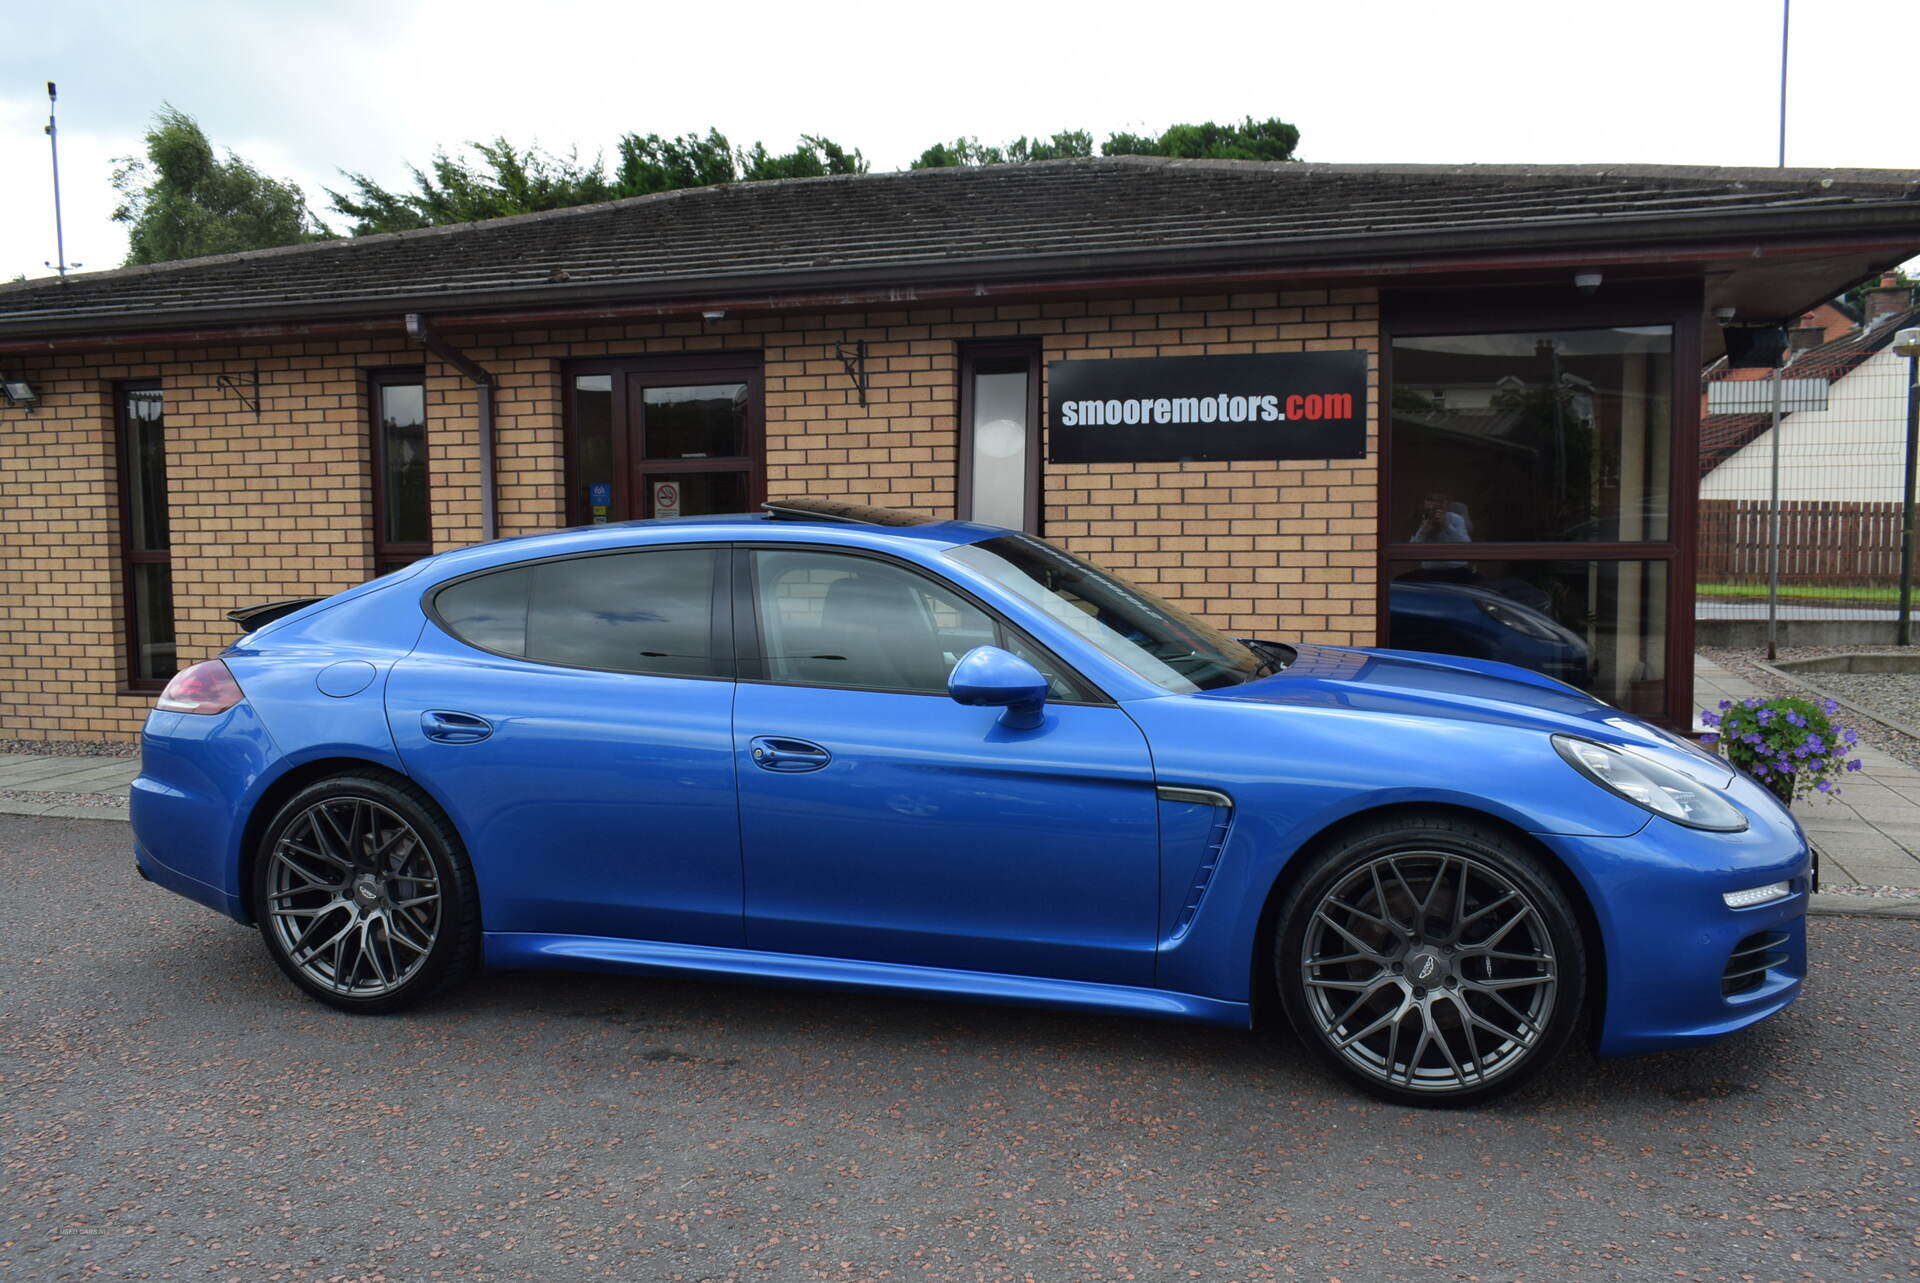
[
  {"x": 448, "y": 727},
  {"x": 779, "y": 753}
]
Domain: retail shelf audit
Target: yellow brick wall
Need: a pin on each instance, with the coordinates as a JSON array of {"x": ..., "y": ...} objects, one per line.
[{"x": 278, "y": 504}]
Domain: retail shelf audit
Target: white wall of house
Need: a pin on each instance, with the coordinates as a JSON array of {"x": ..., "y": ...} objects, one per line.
[{"x": 1849, "y": 452}]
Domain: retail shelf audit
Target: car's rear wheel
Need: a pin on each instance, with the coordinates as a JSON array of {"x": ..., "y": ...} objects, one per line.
[
  {"x": 1432, "y": 960},
  {"x": 364, "y": 895}
]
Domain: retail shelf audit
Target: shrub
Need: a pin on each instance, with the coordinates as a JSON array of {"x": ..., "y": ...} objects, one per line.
[{"x": 1790, "y": 744}]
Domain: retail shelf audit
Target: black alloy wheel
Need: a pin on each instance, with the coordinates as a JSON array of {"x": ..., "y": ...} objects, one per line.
[
  {"x": 1431, "y": 960},
  {"x": 364, "y": 895}
]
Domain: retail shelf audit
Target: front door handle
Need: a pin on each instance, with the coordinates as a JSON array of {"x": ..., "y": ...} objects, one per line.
[
  {"x": 449, "y": 727},
  {"x": 780, "y": 753}
]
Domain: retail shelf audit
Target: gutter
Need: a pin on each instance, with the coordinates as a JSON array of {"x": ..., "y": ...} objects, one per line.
[{"x": 421, "y": 331}]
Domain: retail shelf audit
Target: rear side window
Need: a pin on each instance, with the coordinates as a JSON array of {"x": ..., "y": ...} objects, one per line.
[{"x": 631, "y": 612}]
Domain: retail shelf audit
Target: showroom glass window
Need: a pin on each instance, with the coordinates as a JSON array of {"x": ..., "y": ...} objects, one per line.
[
  {"x": 146, "y": 549},
  {"x": 1529, "y": 478},
  {"x": 402, "y": 520},
  {"x": 999, "y": 481}
]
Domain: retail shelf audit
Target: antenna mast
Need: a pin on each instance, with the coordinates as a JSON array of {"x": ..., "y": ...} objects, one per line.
[{"x": 53, "y": 141}]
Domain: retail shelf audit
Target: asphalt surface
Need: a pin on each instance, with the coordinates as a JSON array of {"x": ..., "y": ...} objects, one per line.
[{"x": 171, "y": 1109}]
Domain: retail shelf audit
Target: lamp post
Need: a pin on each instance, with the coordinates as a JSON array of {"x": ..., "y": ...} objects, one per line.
[{"x": 1907, "y": 344}]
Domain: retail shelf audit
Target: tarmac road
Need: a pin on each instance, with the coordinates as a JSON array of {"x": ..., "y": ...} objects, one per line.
[{"x": 171, "y": 1109}]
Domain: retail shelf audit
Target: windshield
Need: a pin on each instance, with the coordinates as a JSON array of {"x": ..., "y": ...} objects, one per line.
[{"x": 1154, "y": 638}]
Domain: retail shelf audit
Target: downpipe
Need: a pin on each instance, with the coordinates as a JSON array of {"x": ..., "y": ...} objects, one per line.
[{"x": 421, "y": 331}]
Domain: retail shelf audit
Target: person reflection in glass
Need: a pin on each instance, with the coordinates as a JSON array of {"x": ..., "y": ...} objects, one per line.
[{"x": 1444, "y": 519}]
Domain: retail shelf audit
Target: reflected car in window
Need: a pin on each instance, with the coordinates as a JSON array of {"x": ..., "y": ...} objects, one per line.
[
  {"x": 858, "y": 748},
  {"x": 1462, "y": 619}
]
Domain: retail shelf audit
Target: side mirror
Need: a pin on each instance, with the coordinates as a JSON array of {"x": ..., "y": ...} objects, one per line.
[{"x": 989, "y": 677}]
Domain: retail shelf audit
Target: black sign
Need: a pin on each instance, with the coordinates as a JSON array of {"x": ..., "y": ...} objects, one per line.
[{"x": 1292, "y": 405}]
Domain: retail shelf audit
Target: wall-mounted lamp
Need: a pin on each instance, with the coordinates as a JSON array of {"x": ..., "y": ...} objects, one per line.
[
  {"x": 19, "y": 392},
  {"x": 715, "y": 315},
  {"x": 1586, "y": 282}
]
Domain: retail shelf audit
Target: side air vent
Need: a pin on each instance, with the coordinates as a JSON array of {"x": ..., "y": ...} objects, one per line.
[
  {"x": 1200, "y": 816},
  {"x": 1747, "y": 968}
]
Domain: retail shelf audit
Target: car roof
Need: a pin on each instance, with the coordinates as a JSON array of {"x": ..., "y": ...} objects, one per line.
[{"x": 838, "y": 521}]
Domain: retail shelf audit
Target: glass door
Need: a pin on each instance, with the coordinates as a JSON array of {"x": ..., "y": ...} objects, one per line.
[{"x": 677, "y": 437}]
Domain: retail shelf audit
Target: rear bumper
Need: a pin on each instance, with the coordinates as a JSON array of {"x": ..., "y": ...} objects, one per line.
[
  {"x": 1669, "y": 935},
  {"x": 188, "y": 804}
]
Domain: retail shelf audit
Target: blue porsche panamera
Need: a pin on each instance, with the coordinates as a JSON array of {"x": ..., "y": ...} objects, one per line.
[{"x": 860, "y": 748}]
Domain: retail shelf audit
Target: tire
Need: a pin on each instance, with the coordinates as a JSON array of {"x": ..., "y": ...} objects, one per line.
[
  {"x": 364, "y": 895},
  {"x": 1432, "y": 960}
]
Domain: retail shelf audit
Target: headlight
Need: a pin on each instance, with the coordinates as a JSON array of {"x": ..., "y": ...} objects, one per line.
[
  {"x": 1647, "y": 784},
  {"x": 1521, "y": 621}
]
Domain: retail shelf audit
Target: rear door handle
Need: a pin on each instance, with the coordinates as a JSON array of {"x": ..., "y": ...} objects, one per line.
[
  {"x": 449, "y": 727},
  {"x": 780, "y": 753}
]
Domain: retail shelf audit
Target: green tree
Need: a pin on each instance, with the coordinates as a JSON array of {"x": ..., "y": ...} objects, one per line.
[
  {"x": 183, "y": 201},
  {"x": 971, "y": 151},
  {"x": 502, "y": 179},
  {"x": 1249, "y": 140}
]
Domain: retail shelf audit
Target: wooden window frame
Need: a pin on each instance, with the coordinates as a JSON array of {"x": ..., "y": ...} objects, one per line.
[
  {"x": 388, "y": 555},
  {"x": 129, "y": 555},
  {"x": 1029, "y": 350}
]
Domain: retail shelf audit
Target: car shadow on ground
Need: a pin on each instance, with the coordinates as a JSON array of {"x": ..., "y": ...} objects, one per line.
[{"x": 722, "y": 1026}]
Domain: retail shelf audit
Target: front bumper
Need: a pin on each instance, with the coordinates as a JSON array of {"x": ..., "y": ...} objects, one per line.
[{"x": 1669, "y": 936}]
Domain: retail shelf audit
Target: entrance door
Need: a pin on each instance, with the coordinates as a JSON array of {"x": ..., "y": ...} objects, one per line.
[{"x": 665, "y": 437}]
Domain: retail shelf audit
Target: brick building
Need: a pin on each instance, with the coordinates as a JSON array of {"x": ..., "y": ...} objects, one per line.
[{"x": 184, "y": 438}]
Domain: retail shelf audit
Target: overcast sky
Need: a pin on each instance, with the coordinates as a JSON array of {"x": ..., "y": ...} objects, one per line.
[{"x": 303, "y": 92}]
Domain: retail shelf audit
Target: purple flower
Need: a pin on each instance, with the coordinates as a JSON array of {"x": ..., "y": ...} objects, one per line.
[
  {"x": 1709, "y": 719},
  {"x": 1796, "y": 720},
  {"x": 1815, "y": 744},
  {"x": 1831, "y": 706},
  {"x": 1854, "y": 765},
  {"x": 1709, "y": 740},
  {"x": 1850, "y": 736},
  {"x": 1726, "y": 703},
  {"x": 1824, "y": 787}
]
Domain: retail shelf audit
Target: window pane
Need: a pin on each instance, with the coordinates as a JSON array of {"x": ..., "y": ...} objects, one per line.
[
  {"x": 593, "y": 446},
  {"x": 1532, "y": 437},
  {"x": 147, "y": 470},
  {"x": 489, "y": 611},
  {"x": 834, "y": 620},
  {"x": 153, "y": 658},
  {"x": 705, "y": 422},
  {"x": 403, "y": 450},
  {"x": 1598, "y": 625},
  {"x": 695, "y": 494},
  {"x": 1000, "y": 443},
  {"x": 640, "y": 612}
]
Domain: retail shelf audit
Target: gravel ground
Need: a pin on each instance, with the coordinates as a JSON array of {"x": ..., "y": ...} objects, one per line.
[
  {"x": 1895, "y": 695},
  {"x": 71, "y": 748},
  {"x": 111, "y": 801},
  {"x": 172, "y": 1110}
]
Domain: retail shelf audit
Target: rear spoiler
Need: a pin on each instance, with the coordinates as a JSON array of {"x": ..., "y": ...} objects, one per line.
[{"x": 257, "y": 616}]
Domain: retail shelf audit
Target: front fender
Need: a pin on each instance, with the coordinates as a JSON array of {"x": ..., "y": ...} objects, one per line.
[{"x": 1295, "y": 771}]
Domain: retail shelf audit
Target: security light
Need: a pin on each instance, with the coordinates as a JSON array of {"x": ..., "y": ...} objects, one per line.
[
  {"x": 19, "y": 392},
  {"x": 1907, "y": 342}
]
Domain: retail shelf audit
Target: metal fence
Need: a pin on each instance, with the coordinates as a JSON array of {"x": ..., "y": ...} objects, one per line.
[{"x": 1806, "y": 522}]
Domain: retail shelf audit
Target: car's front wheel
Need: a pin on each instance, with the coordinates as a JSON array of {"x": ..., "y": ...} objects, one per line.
[
  {"x": 1431, "y": 959},
  {"x": 364, "y": 895}
]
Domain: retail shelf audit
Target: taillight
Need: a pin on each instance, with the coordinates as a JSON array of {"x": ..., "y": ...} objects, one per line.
[{"x": 205, "y": 688}]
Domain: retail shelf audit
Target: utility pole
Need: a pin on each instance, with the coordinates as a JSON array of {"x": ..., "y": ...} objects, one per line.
[
  {"x": 1786, "y": 25},
  {"x": 53, "y": 141}
]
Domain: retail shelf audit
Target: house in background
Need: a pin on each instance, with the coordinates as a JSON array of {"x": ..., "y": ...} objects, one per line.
[{"x": 1843, "y": 434}]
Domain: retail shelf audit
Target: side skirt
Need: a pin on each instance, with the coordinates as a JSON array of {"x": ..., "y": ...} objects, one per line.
[{"x": 528, "y": 950}]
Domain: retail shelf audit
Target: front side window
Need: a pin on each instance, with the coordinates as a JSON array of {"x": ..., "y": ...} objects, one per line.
[
  {"x": 631, "y": 612},
  {"x": 402, "y": 522},
  {"x": 1154, "y": 638},
  {"x": 146, "y": 555}
]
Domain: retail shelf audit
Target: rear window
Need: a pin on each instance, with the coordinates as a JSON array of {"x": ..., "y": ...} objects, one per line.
[{"x": 630, "y": 612}]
